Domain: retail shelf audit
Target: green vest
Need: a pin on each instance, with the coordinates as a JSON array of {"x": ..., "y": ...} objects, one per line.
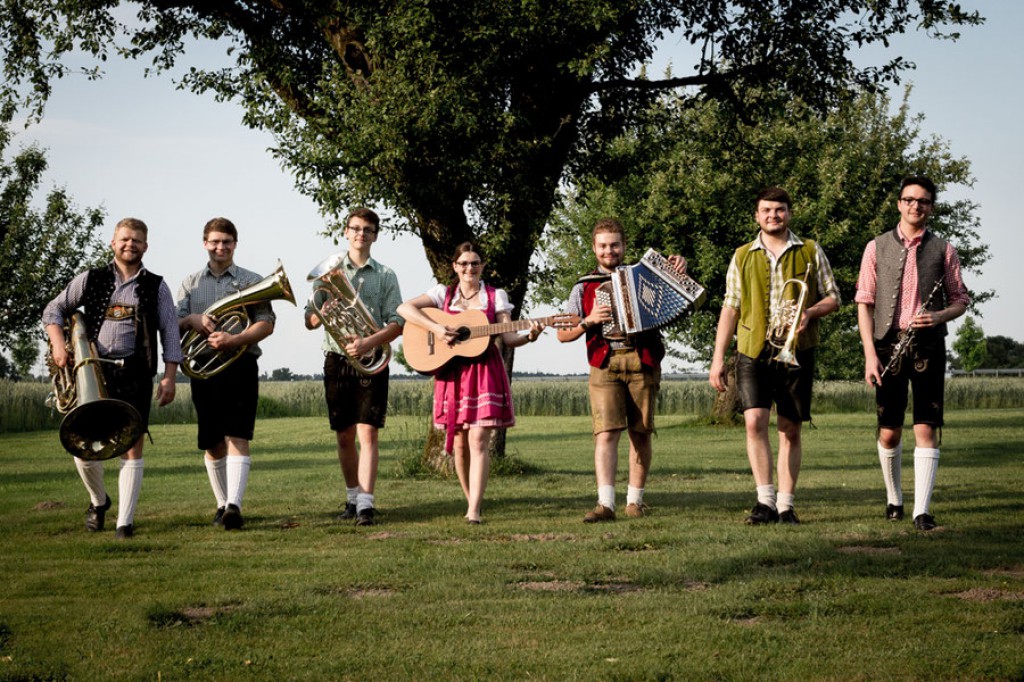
[{"x": 755, "y": 289}]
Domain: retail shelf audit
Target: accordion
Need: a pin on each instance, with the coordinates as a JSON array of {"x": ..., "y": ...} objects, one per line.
[{"x": 647, "y": 295}]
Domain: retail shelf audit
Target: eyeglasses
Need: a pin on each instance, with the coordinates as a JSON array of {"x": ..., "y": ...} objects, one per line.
[
  {"x": 361, "y": 230},
  {"x": 468, "y": 263},
  {"x": 910, "y": 201}
]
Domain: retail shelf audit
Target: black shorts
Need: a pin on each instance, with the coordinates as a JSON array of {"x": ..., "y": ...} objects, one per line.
[
  {"x": 132, "y": 383},
  {"x": 354, "y": 398},
  {"x": 761, "y": 381},
  {"x": 924, "y": 371},
  {"x": 226, "y": 403}
]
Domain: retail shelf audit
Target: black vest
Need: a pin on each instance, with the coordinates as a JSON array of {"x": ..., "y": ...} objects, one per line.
[
  {"x": 99, "y": 287},
  {"x": 890, "y": 257}
]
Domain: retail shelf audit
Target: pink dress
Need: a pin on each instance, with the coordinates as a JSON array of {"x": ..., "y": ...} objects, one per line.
[{"x": 473, "y": 391}]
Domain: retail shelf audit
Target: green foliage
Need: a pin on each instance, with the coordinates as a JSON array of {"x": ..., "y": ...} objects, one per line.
[
  {"x": 1004, "y": 352},
  {"x": 40, "y": 250},
  {"x": 970, "y": 346},
  {"x": 703, "y": 166},
  {"x": 688, "y": 592},
  {"x": 465, "y": 117}
]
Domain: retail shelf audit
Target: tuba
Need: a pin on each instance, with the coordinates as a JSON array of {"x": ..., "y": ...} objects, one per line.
[
  {"x": 201, "y": 361},
  {"x": 95, "y": 426},
  {"x": 336, "y": 303},
  {"x": 783, "y": 323}
]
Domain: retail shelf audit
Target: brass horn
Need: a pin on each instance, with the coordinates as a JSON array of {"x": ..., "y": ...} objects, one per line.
[
  {"x": 95, "y": 426},
  {"x": 201, "y": 361},
  {"x": 783, "y": 323},
  {"x": 336, "y": 303}
]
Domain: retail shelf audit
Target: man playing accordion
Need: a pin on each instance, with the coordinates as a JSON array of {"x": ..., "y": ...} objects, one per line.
[{"x": 625, "y": 376}]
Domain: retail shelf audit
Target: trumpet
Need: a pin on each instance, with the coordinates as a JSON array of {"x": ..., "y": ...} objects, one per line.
[
  {"x": 337, "y": 305},
  {"x": 95, "y": 426},
  {"x": 783, "y": 323},
  {"x": 201, "y": 361}
]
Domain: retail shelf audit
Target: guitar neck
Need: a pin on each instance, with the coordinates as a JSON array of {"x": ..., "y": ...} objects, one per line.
[{"x": 502, "y": 327}]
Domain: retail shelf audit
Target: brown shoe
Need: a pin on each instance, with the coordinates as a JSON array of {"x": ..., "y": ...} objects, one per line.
[
  {"x": 636, "y": 511},
  {"x": 599, "y": 513}
]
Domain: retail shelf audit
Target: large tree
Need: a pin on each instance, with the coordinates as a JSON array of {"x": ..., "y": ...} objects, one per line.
[
  {"x": 465, "y": 117},
  {"x": 41, "y": 248},
  {"x": 704, "y": 164}
]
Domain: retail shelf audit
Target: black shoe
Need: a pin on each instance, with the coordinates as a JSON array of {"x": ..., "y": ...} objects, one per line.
[
  {"x": 789, "y": 516},
  {"x": 924, "y": 522},
  {"x": 232, "y": 518},
  {"x": 365, "y": 517},
  {"x": 894, "y": 512},
  {"x": 218, "y": 518},
  {"x": 349, "y": 513},
  {"x": 124, "y": 532},
  {"x": 95, "y": 516},
  {"x": 762, "y": 514}
]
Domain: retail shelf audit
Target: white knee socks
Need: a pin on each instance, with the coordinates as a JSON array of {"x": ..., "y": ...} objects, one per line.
[
  {"x": 216, "y": 470},
  {"x": 926, "y": 463},
  {"x": 129, "y": 483},
  {"x": 238, "y": 477},
  {"x": 891, "y": 461},
  {"x": 91, "y": 472}
]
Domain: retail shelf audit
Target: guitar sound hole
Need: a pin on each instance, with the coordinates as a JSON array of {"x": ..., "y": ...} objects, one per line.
[{"x": 462, "y": 334}]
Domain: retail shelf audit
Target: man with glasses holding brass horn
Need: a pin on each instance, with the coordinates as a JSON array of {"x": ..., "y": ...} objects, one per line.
[
  {"x": 756, "y": 288},
  {"x": 224, "y": 391},
  {"x": 125, "y": 305},
  {"x": 909, "y": 288},
  {"x": 357, "y": 396}
]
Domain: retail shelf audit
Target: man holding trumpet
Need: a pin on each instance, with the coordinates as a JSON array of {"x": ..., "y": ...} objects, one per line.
[{"x": 759, "y": 290}]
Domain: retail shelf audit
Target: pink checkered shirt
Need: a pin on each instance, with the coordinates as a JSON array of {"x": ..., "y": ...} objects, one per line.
[{"x": 910, "y": 297}]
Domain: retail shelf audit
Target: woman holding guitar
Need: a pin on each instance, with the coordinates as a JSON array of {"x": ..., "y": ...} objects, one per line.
[{"x": 472, "y": 396}]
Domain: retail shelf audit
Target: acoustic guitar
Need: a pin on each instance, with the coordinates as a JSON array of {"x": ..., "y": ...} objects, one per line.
[{"x": 426, "y": 352}]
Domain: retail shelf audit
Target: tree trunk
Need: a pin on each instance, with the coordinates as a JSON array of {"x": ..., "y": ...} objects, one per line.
[{"x": 727, "y": 405}]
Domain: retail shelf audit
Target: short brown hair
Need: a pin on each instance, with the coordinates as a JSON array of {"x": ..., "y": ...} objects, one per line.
[
  {"x": 776, "y": 194},
  {"x": 132, "y": 224},
  {"x": 609, "y": 225},
  {"x": 366, "y": 214},
  {"x": 220, "y": 225},
  {"x": 467, "y": 247}
]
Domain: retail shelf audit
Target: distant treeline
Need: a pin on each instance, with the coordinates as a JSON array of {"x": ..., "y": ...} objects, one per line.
[{"x": 23, "y": 408}]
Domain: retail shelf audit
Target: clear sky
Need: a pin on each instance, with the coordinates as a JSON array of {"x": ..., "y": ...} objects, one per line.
[{"x": 139, "y": 147}]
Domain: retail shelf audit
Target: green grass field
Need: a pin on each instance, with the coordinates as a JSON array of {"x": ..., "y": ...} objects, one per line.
[{"x": 687, "y": 593}]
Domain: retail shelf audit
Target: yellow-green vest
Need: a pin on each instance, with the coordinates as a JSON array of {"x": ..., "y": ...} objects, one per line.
[{"x": 755, "y": 289}]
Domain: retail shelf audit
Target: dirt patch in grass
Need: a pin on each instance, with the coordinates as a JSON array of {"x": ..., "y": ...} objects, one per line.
[
  {"x": 866, "y": 549},
  {"x": 1016, "y": 572},
  {"x": 370, "y": 592},
  {"x": 989, "y": 594},
  {"x": 383, "y": 535},
  {"x": 542, "y": 537},
  {"x": 552, "y": 585},
  {"x": 188, "y": 616},
  {"x": 46, "y": 505}
]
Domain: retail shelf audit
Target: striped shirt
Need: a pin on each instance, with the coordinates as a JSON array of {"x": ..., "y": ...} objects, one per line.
[
  {"x": 377, "y": 287},
  {"x": 117, "y": 336},
  {"x": 733, "y": 284},
  {"x": 202, "y": 289},
  {"x": 910, "y": 295}
]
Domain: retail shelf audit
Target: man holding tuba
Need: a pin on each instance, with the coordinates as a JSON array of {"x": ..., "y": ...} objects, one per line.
[
  {"x": 224, "y": 391},
  {"x": 125, "y": 307},
  {"x": 757, "y": 292},
  {"x": 355, "y": 383}
]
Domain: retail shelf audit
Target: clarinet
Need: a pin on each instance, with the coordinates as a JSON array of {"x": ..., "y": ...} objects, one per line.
[{"x": 905, "y": 339}]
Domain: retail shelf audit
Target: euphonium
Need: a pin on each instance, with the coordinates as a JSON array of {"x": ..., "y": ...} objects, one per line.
[
  {"x": 95, "y": 425},
  {"x": 201, "y": 361},
  {"x": 336, "y": 303},
  {"x": 783, "y": 323}
]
